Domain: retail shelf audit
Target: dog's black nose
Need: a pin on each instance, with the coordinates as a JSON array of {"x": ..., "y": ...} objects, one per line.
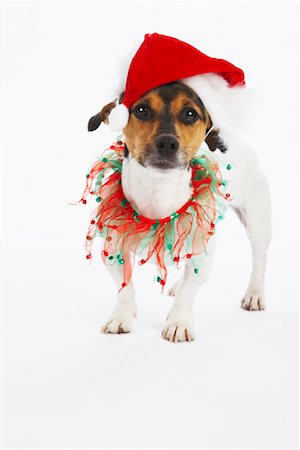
[{"x": 166, "y": 144}]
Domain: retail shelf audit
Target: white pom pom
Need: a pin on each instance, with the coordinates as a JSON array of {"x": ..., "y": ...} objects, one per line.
[{"x": 118, "y": 118}]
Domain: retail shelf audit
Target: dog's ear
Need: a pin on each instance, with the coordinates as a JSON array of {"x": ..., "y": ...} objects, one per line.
[
  {"x": 102, "y": 116},
  {"x": 214, "y": 141},
  {"x": 211, "y": 140}
]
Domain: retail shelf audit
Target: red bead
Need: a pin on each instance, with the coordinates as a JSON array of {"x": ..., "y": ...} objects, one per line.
[
  {"x": 124, "y": 284},
  {"x": 142, "y": 261},
  {"x": 176, "y": 258},
  {"x": 212, "y": 225},
  {"x": 92, "y": 192},
  {"x": 93, "y": 222},
  {"x": 227, "y": 195},
  {"x": 188, "y": 255},
  {"x": 162, "y": 282},
  {"x": 84, "y": 201},
  {"x": 89, "y": 238},
  {"x": 105, "y": 253},
  {"x": 88, "y": 256}
]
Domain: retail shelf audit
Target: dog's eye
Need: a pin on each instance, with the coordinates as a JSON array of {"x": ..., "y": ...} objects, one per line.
[
  {"x": 189, "y": 116},
  {"x": 143, "y": 112}
]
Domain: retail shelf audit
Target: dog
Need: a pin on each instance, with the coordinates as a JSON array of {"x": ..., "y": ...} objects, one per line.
[{"x": 166, "y": 127}]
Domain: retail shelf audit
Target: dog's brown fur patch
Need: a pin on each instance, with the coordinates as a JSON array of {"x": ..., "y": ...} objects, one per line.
[
  {"x": 139, "y": 135},
  {"x": 190, "y": 137}
]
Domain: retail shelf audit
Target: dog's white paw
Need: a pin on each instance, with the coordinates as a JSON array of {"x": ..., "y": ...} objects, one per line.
[
  {"x": 118, "y": 326},
  {"x": 253, "y": 302},
  {"x": 177, "y": 331}
]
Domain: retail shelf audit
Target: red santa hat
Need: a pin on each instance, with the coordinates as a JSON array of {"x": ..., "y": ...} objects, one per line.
[{"x": 163, "y": 59}]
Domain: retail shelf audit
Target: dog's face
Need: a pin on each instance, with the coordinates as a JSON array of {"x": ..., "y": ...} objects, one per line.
[{"x": 166, "y": 126}]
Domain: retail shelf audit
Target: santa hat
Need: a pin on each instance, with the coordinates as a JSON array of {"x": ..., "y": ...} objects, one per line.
[{"x": 163, "y": 59}]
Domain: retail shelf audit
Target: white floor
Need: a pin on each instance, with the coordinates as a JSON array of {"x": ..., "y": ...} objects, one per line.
[{"x": 67, "y": 385}]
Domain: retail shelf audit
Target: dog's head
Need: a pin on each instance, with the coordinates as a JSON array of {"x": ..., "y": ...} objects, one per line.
[{"x": 166, "y": 126}]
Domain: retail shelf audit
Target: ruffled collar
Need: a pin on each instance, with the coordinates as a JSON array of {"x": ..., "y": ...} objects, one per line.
[{"x": 128, "y": 235}]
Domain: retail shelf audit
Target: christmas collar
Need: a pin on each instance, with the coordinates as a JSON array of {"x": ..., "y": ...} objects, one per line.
[{"x": 127, "y": 234}]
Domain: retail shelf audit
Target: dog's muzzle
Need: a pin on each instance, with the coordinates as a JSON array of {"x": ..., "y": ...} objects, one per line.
[
  {"x": 165, "y": 152},
  {"x": 166, "y": 145}
]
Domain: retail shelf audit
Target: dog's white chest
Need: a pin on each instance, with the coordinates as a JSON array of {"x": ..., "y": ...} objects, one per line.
[{"x": 152, "y": 193}]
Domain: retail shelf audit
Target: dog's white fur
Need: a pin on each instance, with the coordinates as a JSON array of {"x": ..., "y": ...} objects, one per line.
[
  {"x": 156, "y": 189},
  {"x": 157, "y": 194}
]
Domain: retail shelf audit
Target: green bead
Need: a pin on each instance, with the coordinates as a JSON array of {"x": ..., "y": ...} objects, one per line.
[
  {"x": 110, "y": 257},
  {"x": 87, "y": 175},
  {"x": 229, "y": 167},
  {"x": 121, "y": 261},
  {"x": 158, "y": 279},
  {"x": 220, "y": 217},
  {"x": 170, "y": 246},
  {"x": 196, "y": 270},
  {"x": 104, "y": 160},
  {"x": 98, "y": 199},
  {"x": 124, "y": 202}
]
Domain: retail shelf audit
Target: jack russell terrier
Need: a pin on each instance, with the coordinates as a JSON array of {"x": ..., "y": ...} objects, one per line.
[{"x": 165, "y": 127}]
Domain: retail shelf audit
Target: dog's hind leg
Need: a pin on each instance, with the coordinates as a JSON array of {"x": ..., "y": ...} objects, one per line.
[
  {"x": 254, "y": 211},
  {"x": 125, "y": 310},
  {"x": 179, "y": 326}
]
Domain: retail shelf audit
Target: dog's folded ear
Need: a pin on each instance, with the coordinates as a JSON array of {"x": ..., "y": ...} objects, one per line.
[
  {"x": 211, "y": 140},
  {"x": 214, "y": 141},
  {"x": 102, "y": 116}
]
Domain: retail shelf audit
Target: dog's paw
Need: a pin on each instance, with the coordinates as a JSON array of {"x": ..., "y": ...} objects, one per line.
[
  {"x": 253, "y": 302},
  {"x": 117, "y": 326},
  {"x": 178, "y": 332}
]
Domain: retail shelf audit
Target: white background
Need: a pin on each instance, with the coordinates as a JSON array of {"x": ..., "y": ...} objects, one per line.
[{"x": 64, "y": 383}]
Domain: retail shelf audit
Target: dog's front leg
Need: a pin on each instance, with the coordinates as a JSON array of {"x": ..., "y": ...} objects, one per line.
[
  {"x": 124, "y": 312},
  {"x": 180, "y": 325}
]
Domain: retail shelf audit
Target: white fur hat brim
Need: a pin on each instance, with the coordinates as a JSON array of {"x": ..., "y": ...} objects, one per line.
[{"x": 227, "y": 106}]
